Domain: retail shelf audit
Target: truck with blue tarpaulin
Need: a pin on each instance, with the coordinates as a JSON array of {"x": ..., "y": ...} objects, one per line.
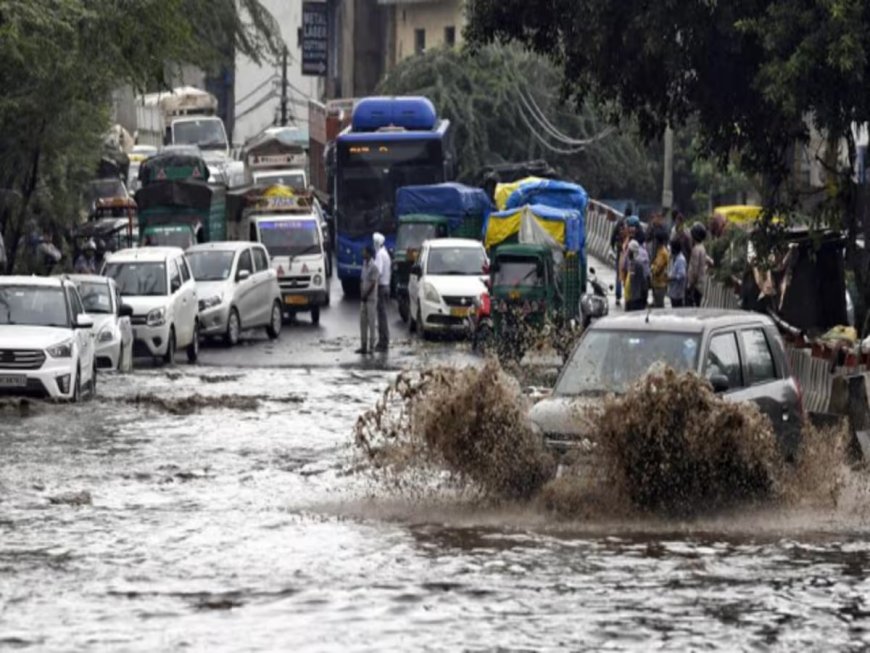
[
  {"x": 176, "y": 204},
  {"x": 433, "y": 211},
  {"x": 392, "y": 142},
  {"x": 538, "y": 261}
]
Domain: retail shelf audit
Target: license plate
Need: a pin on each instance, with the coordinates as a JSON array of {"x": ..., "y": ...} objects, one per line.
[
  {"x": 13, "y": 381},
  {"x": 459, "y": 312},
  {"x": 296, "y": 300}
]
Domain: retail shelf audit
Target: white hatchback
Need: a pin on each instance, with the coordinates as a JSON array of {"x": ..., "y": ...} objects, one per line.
[
  {"x": 447, "y": 279},
  {"x": 46, "y": 339},
  {"x": 114, "y": 333},
  {"x": 157, "y": 283}
]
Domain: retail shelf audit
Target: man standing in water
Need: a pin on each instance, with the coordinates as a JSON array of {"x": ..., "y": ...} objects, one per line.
[
  {"x": 382, "y": 262},
  {"x": 368, "y": 296}
]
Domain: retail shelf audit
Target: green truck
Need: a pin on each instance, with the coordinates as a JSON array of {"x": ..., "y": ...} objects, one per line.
[
  {"x": 537, "y": 275},
  {"x": 177, "y": 206},
  {"x": 448, "y": 210}
]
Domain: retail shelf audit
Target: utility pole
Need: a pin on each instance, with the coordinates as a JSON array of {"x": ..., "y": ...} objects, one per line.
[
  {"x": 284, "y": 87},
  {"x": 668, "y": 181}
]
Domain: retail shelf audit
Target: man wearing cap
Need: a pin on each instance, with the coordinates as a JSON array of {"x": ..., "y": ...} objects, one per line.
[{"x": 383, "y": 263}]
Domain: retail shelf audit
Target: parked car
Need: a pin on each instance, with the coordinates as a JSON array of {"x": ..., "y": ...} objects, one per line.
[
  {"x": 112, "y": 328},
  {"x": 447, "y": 279},
  {"x": 159, "y": 286},
  {"x": 46, "y": 339},
  {"x": 237, "y": 289},
  {"x": 740, "y": 353}
]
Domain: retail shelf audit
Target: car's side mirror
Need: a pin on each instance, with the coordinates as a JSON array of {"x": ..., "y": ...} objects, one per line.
[
  {"x": 174, "y": 286},
  {"x": 125, "y": 311},
  {"x": 242, "y": 275},
  {"x": 84, "y": 321},
  {"x": 417, "y": 270},
  {"x": 591, "y": 270},
  {"x": 720, "y": 383},
  {"x": 485, "y": 268}
]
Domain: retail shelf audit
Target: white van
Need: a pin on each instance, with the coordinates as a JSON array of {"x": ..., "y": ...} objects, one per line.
[
  {"x": 297, "y": 250},
  {"x": 158, "y": 284}
]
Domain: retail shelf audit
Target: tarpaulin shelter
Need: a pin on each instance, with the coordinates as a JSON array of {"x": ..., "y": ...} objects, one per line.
[{"x": 458, "y": 203}]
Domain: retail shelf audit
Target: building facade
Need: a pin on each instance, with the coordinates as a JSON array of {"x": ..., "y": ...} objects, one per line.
[{"x": 421, "y": 25}]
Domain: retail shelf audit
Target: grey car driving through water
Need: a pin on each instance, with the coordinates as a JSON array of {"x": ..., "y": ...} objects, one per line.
[{"x": 740, "y": 353}]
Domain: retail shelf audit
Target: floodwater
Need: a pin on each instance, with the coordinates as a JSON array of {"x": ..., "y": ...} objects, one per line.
[{"x": 174, "y": 522}]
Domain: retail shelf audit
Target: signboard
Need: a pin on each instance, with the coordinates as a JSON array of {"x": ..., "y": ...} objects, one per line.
[{"x": 315, "y": 38}]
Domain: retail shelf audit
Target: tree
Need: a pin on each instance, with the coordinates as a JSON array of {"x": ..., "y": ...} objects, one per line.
[
  {"x": 757, "y": 75},
  {"x": 60, "y": 61},
  {"x": 504, "y": 107}
]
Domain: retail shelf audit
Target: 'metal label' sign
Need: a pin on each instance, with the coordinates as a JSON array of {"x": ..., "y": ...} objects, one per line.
[{"x": 315, "y": 38}]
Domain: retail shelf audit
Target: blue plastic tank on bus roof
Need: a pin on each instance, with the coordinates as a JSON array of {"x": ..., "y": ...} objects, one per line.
[
  {"x": 452, "y": 200},
  {"x": 549, "y": 192},
  {"x": 412, "y": 113}
]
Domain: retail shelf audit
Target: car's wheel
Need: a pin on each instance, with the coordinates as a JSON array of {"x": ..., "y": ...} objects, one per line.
[
  {"x": 77, "y": 386},
  {"x": 412, "y": 324},
  {"x": 193, "y": 347},
  {"x": 404, "y": 309},
  {"x": 234, "y": 328},
  {"x": 328, "y": 299},
  {"x": 94, "y": 381},
  {"x": 421, "y": 325},
  {"x": 169, "y": 356},
  {"x": 276, "y": 321},
  {"x": 128, "y": 359},
  {"x": 329, "y": 266},
  {"x": 121, "y": 361},
  {"x": 315, "y": 315}
]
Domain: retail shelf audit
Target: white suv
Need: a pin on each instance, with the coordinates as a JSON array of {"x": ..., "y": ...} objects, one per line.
[
  {"x": 157, "y": 283},
  {"x": 46, "y": 339}
]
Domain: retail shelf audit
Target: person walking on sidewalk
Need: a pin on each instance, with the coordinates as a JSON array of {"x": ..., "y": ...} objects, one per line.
[
  {"x": 383, "y": 263},
  {"x": 368, "y": 307},
  {"x": 659, "y": 268},
  {"x": 697, "y": 268},
  {"x": 637, "y": 281},
  {"x": 677, "y": 276}
]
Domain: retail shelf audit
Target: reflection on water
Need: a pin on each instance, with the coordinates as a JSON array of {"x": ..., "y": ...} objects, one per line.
[{"x": 244, "y": 529}]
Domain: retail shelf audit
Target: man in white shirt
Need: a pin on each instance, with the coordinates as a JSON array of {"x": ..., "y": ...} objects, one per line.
[{"x": 383, "y": 263}]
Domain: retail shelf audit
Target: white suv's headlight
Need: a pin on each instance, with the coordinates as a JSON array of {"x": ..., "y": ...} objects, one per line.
[
  {"x": 157, "y": 317},
  {"x": 431, "y": 294},
  {"x": 210, "y": 302},
  {"x": 317, "y": 280},
  {"x": 62, "y": 350},
  {"x": 106, "y": 334}
]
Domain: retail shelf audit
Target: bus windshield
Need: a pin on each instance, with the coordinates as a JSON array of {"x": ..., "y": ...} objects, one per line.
[{"x": 370, "y": 173}]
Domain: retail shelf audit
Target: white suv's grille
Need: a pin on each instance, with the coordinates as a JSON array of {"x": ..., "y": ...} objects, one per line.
[
  {"x": 294, "y": 283},
  {"x": 21, "y": 359}
]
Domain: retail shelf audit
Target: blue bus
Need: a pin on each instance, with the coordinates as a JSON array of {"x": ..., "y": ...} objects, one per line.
[{"x": 390, "y": 143}]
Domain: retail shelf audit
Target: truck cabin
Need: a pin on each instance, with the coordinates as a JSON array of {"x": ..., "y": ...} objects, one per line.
[
  {"x": 519, "y": 271},
  {"x": 414, "y": 230},
  {"x": 204, "y": 131},
  {"x": 287, "y": 234}
]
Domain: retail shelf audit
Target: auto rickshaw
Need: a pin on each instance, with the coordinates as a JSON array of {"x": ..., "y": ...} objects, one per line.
[{"x": 413, "y": 231}]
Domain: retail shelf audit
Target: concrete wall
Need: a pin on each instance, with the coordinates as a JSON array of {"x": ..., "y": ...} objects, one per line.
[
  {"x": 433, "y": 17},
  {"x": 250, "y": 121}
]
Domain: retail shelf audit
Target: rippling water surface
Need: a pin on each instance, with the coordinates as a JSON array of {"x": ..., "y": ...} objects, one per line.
[{"x": 244, "y": 527}]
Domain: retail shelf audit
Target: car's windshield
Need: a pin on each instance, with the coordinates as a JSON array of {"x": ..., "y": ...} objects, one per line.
[
  {"x": 33, "y": 306},
  {"x": 95, "y": 297},
  {"x": 211, "y": 265},
  {"x": 208, "y": 133},
  {"x": 456, "y": 261},
  {"x": 294, "y": 180},
  {"x": 136, "y": 279},
  {"x": 517, "y": 273},
  {"x": 290, "y": 237},
  {"x": 608, "y": 361},
  {"x": 412, "y": 234}
]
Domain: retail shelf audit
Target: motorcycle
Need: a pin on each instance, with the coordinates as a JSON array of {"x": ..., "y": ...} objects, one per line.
[
  {"x": 594, "y": 305},
  {"x": 479, "y": 323}
]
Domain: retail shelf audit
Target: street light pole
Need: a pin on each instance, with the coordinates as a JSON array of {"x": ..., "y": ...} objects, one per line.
[
  {"x": 284, "y": 87},
  {"x": 668, "y": 181}
]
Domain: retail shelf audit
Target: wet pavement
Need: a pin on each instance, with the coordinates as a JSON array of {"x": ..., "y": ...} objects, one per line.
[{"x": 220, "y": 507}]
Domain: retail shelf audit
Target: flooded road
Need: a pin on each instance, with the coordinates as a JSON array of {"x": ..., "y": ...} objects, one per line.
[{"x": 219, "y": 507}]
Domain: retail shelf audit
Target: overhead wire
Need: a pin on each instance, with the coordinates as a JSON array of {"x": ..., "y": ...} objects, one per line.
[{"x": 269, "y": 80}]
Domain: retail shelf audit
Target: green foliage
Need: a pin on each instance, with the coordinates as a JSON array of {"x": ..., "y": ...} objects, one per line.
[
  {"x": 488, "y": 96},
  {"x": 60, "y": 61}
]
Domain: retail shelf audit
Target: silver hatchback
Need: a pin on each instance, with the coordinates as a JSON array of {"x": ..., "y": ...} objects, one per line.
[{"x": 236, "y": 288}]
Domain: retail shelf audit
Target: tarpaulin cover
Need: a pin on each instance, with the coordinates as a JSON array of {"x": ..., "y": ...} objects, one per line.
[
  {"x": 172, "y": 166},
  {"x": 192, "y": 194},
  {"x": 504, "y": 191},
  {"x": 451, "y": 200},
  {"x": 549, "y": 192},
  {"x": 564, "y": 226}
]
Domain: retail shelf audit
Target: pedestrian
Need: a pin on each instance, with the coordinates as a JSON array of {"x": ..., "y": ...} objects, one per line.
[
  {"x": 368, "y": 303},
  {"x": 383, "y": 263},
  {"x": 677, "y": 276},
  {"x": 637, "y": 284},
  {"x": 679, "y": 232},
  {"x": 696, "y": 274},
  {"x": 86, "y": 263},
  {"x": 617, "y": 244},
  {"x": 659, "y": 268}
]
